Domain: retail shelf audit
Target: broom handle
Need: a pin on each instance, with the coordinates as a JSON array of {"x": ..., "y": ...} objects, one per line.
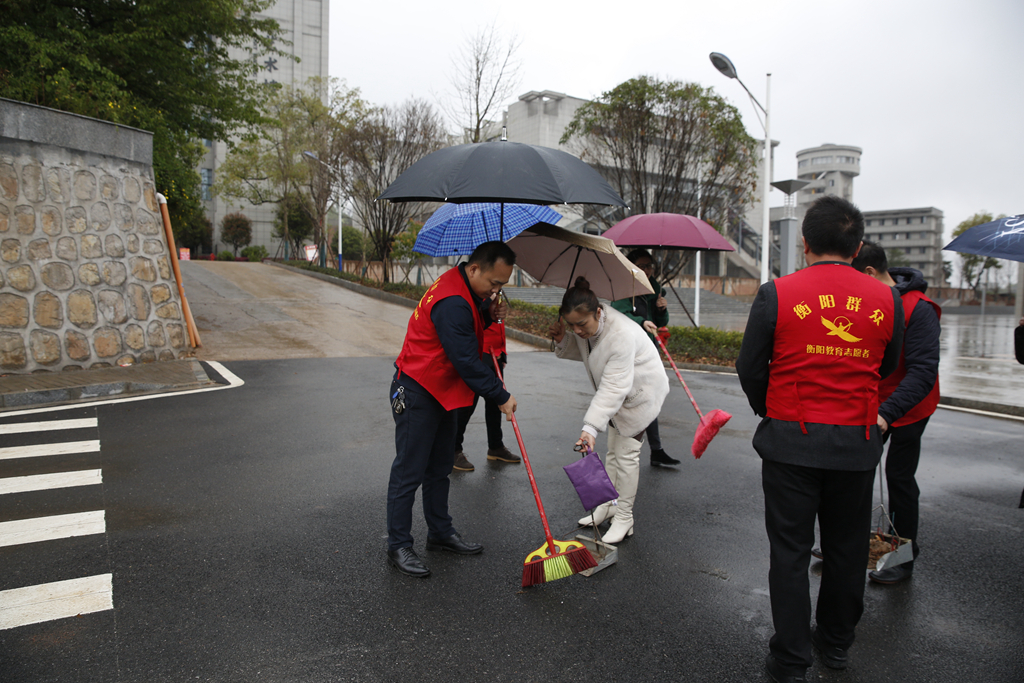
[
  {"x": 680, "y": 376},
  {"x": 526, "y": 461}
]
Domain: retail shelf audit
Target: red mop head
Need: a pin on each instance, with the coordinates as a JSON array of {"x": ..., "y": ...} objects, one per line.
[{"x": 708, "y": 428}]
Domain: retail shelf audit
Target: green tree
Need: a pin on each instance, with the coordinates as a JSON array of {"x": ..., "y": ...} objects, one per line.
[
  {"x": 236, "y": 230},
  {"x": 352, "y": 243},
  {"x": 386, "y": 143},
  {"x": 196, "y": 233},
  {"x": 667, "y": 146},
  {"x": 293, "y": 224},
  {"x": 972, "y": 266},
  {"x": 402, "y": 249},
  {"x": 160, "y": 65}
]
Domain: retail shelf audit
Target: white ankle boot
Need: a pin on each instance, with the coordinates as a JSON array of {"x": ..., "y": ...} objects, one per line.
[
  {"x": 622, "y": 526},
  {"x": 601, "y": 513}
]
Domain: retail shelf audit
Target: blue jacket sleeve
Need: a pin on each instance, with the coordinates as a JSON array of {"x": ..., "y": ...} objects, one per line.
[
  {"x": 921, "y": 358},
  {"x": 453, "y": 320}
]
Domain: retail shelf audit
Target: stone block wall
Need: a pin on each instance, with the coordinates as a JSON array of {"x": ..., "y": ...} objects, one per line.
[{"x": 85, "y": 271}]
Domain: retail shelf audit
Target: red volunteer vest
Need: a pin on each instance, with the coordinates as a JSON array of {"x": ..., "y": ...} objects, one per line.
[
  {"x": 888, "y": 385},
  {"x": 494, "y": 341},
  {"x": 833, "y": 326},
  {"x": 423, "y": 358}
]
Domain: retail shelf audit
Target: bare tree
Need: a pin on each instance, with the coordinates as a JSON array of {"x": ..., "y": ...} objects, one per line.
[
  {"x": 666, "y": 146},
  {"x": 385, "y": 143},
  {"x": 485, "y": 75}
]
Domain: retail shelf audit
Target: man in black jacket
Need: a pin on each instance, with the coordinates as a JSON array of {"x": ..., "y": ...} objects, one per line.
[{"x": 910, "y": 396}]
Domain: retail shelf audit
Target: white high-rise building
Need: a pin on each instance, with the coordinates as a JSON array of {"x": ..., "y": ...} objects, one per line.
[{"x": 304, "y": 24}]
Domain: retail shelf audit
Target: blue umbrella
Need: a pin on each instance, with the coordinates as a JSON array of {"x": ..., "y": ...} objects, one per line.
[
  {"x": 1003, "y": 238},
  {"x": 461, "y": 228}
]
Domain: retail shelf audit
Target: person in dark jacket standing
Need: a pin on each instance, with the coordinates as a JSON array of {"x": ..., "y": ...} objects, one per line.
[
  {"x": 909, "y": 396},
  {"x": 440, "y": 369},
  {"x": 650, "y": 311},
  {"x": 816, "y": 344}
]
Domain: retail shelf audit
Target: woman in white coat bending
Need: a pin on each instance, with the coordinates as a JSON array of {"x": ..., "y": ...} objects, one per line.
[{"x": 630, "y": 383}]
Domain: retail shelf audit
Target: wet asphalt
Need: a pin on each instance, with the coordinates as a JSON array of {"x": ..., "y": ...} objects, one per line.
[{"x": 245, "y": 535}]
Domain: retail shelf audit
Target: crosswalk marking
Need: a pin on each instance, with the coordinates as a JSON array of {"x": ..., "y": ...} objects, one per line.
[
  {"x": 59, "y": 600},
  {"x": 48, "y": 426},
  {"x": 57, "y": 480},
  {"x": 51, "y": 528},
  {"x": 39, "y": 450}
]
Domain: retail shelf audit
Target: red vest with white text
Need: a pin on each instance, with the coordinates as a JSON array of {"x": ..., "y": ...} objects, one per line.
[
  {"x": 423, "y": 358},
  {"x": 888, "y": 385},
  {"x": 833, "y": 326}
]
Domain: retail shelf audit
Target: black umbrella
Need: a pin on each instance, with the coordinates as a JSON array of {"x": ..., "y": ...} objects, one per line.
[
  {"x": 1002, "y": 238},
  {"x": 502, "y": 172}
]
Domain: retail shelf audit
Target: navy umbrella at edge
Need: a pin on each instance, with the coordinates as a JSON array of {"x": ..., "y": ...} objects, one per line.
[
  {"x": 500, "y": 172},
  {"x": 1002, "y": 238},
  {"x": 461, "y": 228}
]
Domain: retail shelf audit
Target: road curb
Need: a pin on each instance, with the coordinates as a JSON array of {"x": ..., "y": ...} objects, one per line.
[{"x": 956, "y": 402}]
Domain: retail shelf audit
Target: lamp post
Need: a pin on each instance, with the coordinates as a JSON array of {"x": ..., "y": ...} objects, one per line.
[
  {"x": 341, "y": 211},
  {"x": 723, "y": 64}
]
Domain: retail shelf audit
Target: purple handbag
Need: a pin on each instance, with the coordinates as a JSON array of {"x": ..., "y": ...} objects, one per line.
[{"x": 591, "y": 481}]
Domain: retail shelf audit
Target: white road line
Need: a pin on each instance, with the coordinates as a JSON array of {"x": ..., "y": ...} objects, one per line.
[
  {"x": 39, "y": 450},
  {"x": 38, "y": 529},
  {"x": 986, "y": 413},
  {"x": 57, "y": 480},
  {"x": 49, "y": 426},
  {"x": 233, "y": 382},
  {"x": 59, "y": 600}
]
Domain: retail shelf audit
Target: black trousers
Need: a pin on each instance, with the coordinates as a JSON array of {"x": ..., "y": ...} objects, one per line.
[
  {"x": 900, "y": 470},
  {"x": 654, "y": 435},
  {"x": 424, "y": 455},
  {"x": 793, "y": 497},
  {"x": 492, "y": 416}
]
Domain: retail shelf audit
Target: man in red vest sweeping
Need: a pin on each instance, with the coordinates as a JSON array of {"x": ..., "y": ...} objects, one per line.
[
  {"x": 440, "y": 370},
  {"x": 908, "y": 397},
  {"x": 816, "y": 345}
]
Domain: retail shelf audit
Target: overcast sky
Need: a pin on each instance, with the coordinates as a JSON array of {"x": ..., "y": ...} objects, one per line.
[{"x": 931, "y": 90}]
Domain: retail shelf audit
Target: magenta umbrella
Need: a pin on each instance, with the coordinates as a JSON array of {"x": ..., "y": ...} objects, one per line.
[{"x": 670, "y": 231}]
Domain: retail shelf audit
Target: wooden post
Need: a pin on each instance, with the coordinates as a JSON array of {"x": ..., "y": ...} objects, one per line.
[{"x": 190, "y": 323}]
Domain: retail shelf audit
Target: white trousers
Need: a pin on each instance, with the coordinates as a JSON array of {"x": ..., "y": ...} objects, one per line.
[{"x": 623, "y": 465}]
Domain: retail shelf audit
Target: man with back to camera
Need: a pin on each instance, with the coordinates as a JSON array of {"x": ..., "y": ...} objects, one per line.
[
  {"x": 816, "y": 345},
  {"x": 909, "y": 396},
  {"x": 440, "y": 369}
]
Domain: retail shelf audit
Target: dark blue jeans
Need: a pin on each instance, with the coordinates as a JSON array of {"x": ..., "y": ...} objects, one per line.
[{"x": 424, "y": 454}]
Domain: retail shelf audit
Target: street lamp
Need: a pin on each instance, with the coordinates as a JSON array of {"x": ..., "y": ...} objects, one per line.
[
  {"x": 341, "y": 211},
  {"x": 723, "y": 64}
]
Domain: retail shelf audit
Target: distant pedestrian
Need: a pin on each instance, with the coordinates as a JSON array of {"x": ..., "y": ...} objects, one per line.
[
  {"x": 816, "y": 344},
  {"x": 440, "y": 369},
  {"x": 650, "y": 311},
  {"x": 908, "y": 398},
  {"x": 1018, "y": 341},
  {"x": 630, "y": 386},
  {"x": 494, "y": 343}
]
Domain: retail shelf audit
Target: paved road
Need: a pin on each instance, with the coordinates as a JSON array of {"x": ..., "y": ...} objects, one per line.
[
  {"x": 253, "y": 311},
  {"x": 244, "y": 534}
]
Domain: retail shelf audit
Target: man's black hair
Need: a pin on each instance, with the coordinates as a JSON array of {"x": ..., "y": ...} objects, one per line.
[
  {"x": 871, "y": 254},
  {"x": 488, "y": 253},
  {"x": 833, "y": 225}
]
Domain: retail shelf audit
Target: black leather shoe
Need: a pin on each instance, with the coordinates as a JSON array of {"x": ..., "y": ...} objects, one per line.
[
  {"x": 780, "y": 675},
  {"x": 408, "y": 562},
  {"x": 834, "y": 657},
  {"x": 892, "y": 575},
  {"x": 660, "y": 457},
  {"x": 454, "y": 544}
]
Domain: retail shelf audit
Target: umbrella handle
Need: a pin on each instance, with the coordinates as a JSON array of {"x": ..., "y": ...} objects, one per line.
[{"x": 680, "y": 376}]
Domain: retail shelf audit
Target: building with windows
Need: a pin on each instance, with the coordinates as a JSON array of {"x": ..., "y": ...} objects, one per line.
[
  {"x": 305, "y": 25},
  {"x": 830, "y": 169},
  {"x": 910, "y": 237}
]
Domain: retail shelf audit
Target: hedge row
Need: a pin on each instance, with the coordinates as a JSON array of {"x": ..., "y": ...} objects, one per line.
[{"x": 704, "y": 345}]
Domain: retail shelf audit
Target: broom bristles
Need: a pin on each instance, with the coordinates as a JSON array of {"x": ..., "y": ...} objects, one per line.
[
  {"x": 706, "y": 431},
  {"x": 575, "y": 559}
]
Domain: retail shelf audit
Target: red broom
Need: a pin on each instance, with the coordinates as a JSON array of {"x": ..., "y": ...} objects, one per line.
[
  {"x": 554, "y": 559},
  {"x": 710, "y": 423}
]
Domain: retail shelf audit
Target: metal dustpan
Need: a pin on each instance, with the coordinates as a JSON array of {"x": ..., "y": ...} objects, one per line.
[
  {"x": 604, "y": 554},
  {"x": 902, "y": 548}
]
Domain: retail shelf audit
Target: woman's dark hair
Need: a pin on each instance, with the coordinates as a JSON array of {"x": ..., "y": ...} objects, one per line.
[
  {"x": 579, "y": 298},
  {"x": 636, "y": 255},
  {"x": 873, "y": 255}
]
